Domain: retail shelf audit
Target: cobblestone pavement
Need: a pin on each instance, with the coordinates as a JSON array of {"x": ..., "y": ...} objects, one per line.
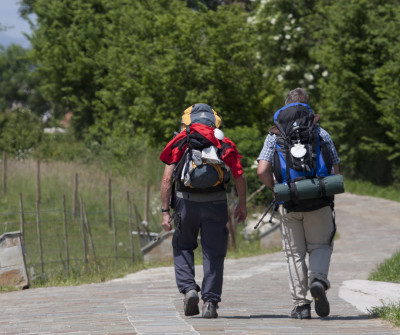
[{"x": 256, "y": 297}]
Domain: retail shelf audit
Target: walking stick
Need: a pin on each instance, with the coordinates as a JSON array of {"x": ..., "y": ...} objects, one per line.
[{"x": 271, "y": 205}]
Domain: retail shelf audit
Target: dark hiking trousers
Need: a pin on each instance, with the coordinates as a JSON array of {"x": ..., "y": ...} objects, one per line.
[{"x": 210, "y": 217}]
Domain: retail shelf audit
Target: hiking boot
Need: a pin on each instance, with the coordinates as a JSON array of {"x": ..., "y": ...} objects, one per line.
[
  {"x": 191, "y": 303},
  {"x": 317, "y": 290},
  {"x": 209, "y": 310},
  {"x": 301, "y": 312}
]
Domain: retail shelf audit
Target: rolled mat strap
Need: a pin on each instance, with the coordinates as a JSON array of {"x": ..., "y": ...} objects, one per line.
[
  {"x": 294, "y": 194},
  {"x": 322, "y": 188}
]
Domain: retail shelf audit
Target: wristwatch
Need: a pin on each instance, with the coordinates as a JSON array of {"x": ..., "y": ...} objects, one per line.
[{"x": 164, "y": 210}]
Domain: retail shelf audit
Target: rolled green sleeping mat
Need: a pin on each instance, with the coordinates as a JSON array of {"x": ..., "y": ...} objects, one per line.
[{"x": 310, "y": 188}]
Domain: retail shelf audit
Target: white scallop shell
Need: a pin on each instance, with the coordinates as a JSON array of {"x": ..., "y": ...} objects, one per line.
[{"x": 298, "y": 150}]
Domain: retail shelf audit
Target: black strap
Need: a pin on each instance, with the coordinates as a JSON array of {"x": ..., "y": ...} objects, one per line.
[
  {"x": 314, "y": 144},
  {"x": 288, "y": 158},
  {"x": 294, "y": 193},
  {"x": 322, "y": 187}
]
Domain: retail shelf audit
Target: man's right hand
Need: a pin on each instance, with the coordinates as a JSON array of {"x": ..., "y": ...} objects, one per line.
[{"x": 167, "y": 221}]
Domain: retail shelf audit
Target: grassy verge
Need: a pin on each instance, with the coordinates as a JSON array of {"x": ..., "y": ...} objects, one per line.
[
  {"x": 367, "y": 188},
  {"x": 389, "y": 312},
  {"x": 388, "y": 271}
]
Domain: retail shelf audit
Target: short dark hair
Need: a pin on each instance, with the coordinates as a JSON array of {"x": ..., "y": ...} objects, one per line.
[{"x": 297, "y": 95}]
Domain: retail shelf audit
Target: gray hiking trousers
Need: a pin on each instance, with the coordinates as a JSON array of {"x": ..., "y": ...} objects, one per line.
[{"x": 307, "y": 233}]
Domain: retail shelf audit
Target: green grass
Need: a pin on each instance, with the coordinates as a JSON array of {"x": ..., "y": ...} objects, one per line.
[
  {"x": 56, "y": 180},
  {"x": 389, "y": 312},
  {"x": 367, "y": 188},
  {"x": 388, "y": 271}
]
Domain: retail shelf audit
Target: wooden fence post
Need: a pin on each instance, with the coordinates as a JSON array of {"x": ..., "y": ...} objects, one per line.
[
  {"x": 138, "y": 220},
  {"x": 84, "y": 241},
  {"x": 65, "y": 237},
  {"x": 21, "y": 217},
  {"x": 75, "y": 197},
  {"x": 39, "y": 234},
  {"x": 114, "y": 226},
  {"x": 4, "y": 187},
  {"x": 146, "y": 202},
  {"x": 89, "y": 231},
  {"x": 109, "y": 209},
  {"x": 130, "y": 227}
]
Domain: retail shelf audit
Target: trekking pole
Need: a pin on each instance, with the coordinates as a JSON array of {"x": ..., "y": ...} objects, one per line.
[
  {"x": 265, "y": 213},
  {"x": 273, "y": 211}
]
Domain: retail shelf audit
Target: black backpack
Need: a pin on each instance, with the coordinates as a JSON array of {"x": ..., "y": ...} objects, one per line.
[{"x": 300, "y": 152}]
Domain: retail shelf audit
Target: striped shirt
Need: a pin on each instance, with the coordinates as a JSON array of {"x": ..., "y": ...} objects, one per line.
[{"x": 267, "y": 152}]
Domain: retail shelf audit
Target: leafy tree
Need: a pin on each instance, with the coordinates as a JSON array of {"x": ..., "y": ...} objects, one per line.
[
  {"x": 160, "y": 63},
  {"x": 386, "y": 79},
  {"x": 345, "y": 54},
  {"x": 20, "y": 132},
  {"x": 65, "y": 45},
  {"x": 249, "y": 142},
  {"x": 286, "y": 37},
  {"x": 214, "y": 4},
  {"x": 26, "y": 7},
  {"x": 19, "y": 84},
  {"x": 353, "y": 49},
  {"x": 131, "y": 67}
]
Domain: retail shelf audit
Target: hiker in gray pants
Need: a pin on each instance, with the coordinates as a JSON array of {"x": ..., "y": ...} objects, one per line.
[{"x": 306, "y": 228}]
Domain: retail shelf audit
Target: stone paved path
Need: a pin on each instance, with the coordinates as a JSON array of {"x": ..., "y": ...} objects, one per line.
[{"x": 256, "y": 298}]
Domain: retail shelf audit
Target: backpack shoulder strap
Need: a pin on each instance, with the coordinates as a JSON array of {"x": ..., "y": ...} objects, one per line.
[{"x": 326, "y": 154}]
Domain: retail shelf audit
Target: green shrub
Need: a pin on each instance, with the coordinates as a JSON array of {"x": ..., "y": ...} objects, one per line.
[
  {"x": 20, "y": 132},
  {"x": 249, "y": 142}
]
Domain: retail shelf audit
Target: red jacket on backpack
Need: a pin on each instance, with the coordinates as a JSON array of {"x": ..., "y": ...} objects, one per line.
[{"x": 175, "y": 149}]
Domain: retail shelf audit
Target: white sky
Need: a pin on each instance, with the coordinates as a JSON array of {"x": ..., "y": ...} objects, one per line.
[{"x": 9, "y": 17}]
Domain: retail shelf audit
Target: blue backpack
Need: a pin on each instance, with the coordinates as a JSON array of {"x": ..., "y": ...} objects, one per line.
[{"x": 300, "y": 152}]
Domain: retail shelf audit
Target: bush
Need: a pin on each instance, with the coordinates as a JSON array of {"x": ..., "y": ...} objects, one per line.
[
  {"x": 249, "y": 142},
  {"x": 20, "y": 132}
]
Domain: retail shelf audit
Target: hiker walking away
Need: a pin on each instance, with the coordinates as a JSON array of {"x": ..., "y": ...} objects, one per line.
[
  {"x": 296, "y": 148},
  {"x": 198, "y": 164}
]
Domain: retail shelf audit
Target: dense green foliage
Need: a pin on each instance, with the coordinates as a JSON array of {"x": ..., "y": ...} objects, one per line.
[
  {"x": 20, "y": 130},
  {"x": 19, "y": 84},
  {"x": 353, "y": 50},
  {"x": 128, "y": 69}
]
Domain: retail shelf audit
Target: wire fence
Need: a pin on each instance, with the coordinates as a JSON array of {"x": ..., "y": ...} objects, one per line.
[
  {"x": 99, "y": 224},
  {"x": 58, "y": 241}
]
